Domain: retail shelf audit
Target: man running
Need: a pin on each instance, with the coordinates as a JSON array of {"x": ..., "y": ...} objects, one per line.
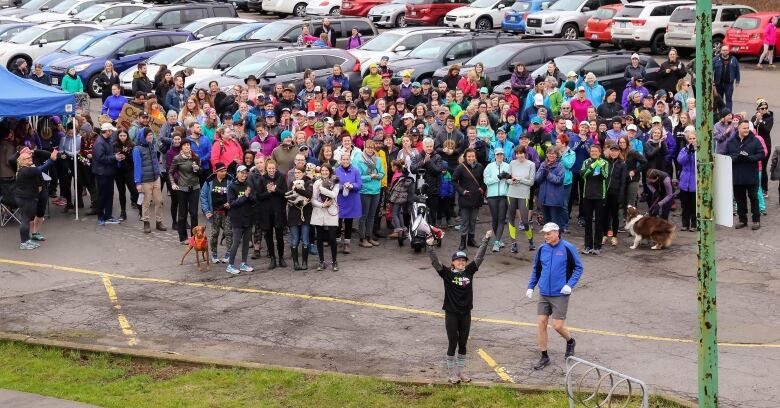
[{"x": 557, "y": 268}]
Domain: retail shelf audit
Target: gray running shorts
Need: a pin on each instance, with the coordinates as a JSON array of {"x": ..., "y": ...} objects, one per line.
[{"x": 555, "y": 306}]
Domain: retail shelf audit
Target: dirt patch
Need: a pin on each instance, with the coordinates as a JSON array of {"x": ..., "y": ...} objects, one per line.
[{"x": 155, "y": 369}]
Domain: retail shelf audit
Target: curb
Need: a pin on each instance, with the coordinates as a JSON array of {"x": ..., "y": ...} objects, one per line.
[{"x": 226, "y": 363}]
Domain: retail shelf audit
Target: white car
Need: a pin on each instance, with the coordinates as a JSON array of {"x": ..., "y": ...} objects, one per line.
[
  {"x": 284, "y": 7},
  {"x": 108, "y": 13},
  {"x": 479, "y": 15},
  {"x": 324, "y": 8},
  {"x": 168, "y": 57},
  {"x": 63, "y": 11},
  {"x": 37, "y": 41},
  {"x": 681, "y": 31},
  {"x": 396, "y": 43},
  {"x": 208, "y": 28},
  {"x": 644, "y": 24},
  {"x": 391, "y": 14}
]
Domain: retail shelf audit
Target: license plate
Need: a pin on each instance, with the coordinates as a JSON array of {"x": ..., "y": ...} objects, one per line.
[
  {"x": 414, "y": 13},
  {"x": 680, "y": 29},
  {"x": 594, "y": 36},
  {"x": 623, "y": 25},
  {"x": 735, "y": 48},
  {"x": 55, "y": 81}
]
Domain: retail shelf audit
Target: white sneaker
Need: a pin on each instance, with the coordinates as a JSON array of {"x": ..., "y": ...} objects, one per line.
[{"x": 245, "y": 268}]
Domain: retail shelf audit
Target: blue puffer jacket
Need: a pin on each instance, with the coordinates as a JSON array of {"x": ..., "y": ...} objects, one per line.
[
  {"x": 550, "y": 181},
  {"x": 554, "y": 267}
]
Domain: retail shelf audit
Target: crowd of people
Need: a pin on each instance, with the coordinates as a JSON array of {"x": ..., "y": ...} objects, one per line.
[{"x": 260, "y": 162}]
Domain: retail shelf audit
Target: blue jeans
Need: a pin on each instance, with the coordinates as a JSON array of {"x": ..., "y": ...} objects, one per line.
[
  {"x": 299, "y": 233},
  {"x": 554, "y": 214},
  {"x": 726, "y": 91},
  {"x": 370, "y": 202},
  {"x": 398, "y": 217}
]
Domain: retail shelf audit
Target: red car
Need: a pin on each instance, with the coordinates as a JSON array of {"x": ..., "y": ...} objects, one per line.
[
  {"x": 430, "y": 12},
  {"x": 598, "y": 29},
  {"x": 746, "y": 36},
  {"x": 359, "y": 7}
]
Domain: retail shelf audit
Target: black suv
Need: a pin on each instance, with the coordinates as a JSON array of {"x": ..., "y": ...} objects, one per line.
[
  {"x": 289, "y": 29},
  {"x": 178, "y": 15},
  {"x": 609, "y": 68},
  {"x": 500, "y": 61},
  {"x": 451, "y": 48}
]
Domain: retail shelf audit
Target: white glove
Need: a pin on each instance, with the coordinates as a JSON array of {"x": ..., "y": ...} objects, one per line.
[
  {"x": 566, "y": 290},
  {"x": 529, "y": 293}
]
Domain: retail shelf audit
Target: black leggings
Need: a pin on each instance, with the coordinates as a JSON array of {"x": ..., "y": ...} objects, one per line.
[
  {"x": 269, "y": 241},
  {"x": 124, "y": 181},
  {"x": 327, "y": 234},
  {"x": 688, "y": 204},
  {"x": 27, "y": 207},
  {"x": 458, "y": 326},
  {"x": 345, "y": 225}
]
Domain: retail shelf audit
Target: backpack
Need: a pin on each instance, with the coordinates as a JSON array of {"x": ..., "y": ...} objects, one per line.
[{"x": 399, "y": 192}]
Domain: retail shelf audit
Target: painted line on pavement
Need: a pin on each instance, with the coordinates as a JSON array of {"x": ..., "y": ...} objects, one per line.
[
  {"x": 368, "y": 304},
  {"x": 124, "y": 324},
  {"x": 498, "y": 369}
]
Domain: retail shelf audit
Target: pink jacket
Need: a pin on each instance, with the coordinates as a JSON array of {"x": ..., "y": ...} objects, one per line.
[
  {"x": 770, "y": 34},
  {"x": 226, "y": 152}
]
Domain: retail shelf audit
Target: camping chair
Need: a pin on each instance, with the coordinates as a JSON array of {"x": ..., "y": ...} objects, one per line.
[{"x": 9, "y": 211}]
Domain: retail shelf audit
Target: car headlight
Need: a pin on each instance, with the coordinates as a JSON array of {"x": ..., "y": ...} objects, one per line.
[
  {"x": 81, "y": 67},
  {"x": 466, "y": 15},
  {"x": 550, "y": 20},
  {"x": 383, "y": 12}
]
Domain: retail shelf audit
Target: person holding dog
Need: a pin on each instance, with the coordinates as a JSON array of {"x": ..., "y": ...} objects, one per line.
[
  {"x": 661, "y": 195},
  {"x": 557, "y": 268},
  {"x": 325, "y": 214},
  {"x": 185, "y": 184},
  {"x": 458, "y": 302},
  {"x": 214, "y": 204},
  {"x": 239, "y": 198},
  {"x": 299, "y": 211}
]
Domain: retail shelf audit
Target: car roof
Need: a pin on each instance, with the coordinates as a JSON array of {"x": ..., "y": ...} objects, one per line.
[
  {"x": 70, "y": 23},
  {"x": 616, "y": 6},
  {"x": 762, "y": 14},
  {"x": 187, "y": 4},
  {"x": 304, "y": 50},
  {"x": 229, "y": 45},
  {"x": 421, "y": 29},
  {"x": 658, "y": 2},
  {"x": 145, "y": 31},
  {"x": 212, "y": 20}
]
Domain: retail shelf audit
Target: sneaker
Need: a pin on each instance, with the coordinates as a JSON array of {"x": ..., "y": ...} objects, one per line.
[
  {"x": 245, "y": 268},
  {"x": 586, "y": 250},
  {"x": 101, "y": 223},
  {"x": 595, "y": 252},
  {"x": 740, "y": 225},
  {"x": 514, "y": 248},
  {"x": 570, "y": 347},
  {"x": 112, "y": 221},
  {"x": 37, "y": 236},
  {"x": 34, "y": 244},
  {"x": 756, "y": 225},
  {"x": 321, "y": 267},
  {"x": 496, "y": 246},
  {"x": 544, "y": 361},
  {"x": 214, "y": 260},
  {"x": 531, "y": 246},
  {"x": 226, "y": 258},
  {"x": 501, "y": 244},
  {"x": 613, "y": 241},
  {"x": 27, "y": 245},
  {"x": 232, "y": 270},
  {"x": 335, "y": 267}
]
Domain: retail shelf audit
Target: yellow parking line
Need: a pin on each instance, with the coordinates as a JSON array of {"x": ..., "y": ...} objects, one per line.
[
  {"x": 498, "y": 369},
  {"x": 124, "y": 324},
  {"x": 366, "y": 304}
]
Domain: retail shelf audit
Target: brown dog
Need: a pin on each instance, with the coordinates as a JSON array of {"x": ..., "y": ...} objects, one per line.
[
  {"x": 660, "y": 231},
  {"x": 200, "y": 243}
]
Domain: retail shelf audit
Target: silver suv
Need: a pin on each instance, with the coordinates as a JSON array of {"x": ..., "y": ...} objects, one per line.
[
  {"x": 564, "y": 18},
  {"x": 680, "y": 31}
]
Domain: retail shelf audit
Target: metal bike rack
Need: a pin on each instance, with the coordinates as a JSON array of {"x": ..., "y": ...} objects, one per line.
[{"x": 602, "y": 374}]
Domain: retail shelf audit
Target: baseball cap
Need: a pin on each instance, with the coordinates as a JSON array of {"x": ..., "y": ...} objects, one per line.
[
  {"x": 581, "y": 89},
  {"x": 387, "y": 115},
  {"x": 144, "y": 115},
  {"x": 107, "y": 126},
  {"x": 460, "y": 255},
  {"x": 385, "y": 58},
  {"x": 255, "y": 147},
  {"x": 318, "y": 125},
  {"x": 219, "y": 166},
  {"x": 311, "y": 114},
  {"x": 415, "y": 84},
  {"x": 656, "y": 119},
  {"x": 536, "y": 120},
  {"x": 240, "y": 168},
  {"x": 571, "y": 74},
  {"x": 408, "y": 116},
  {"x": 400, "y": 100},
  {"x": 614, "y": 146},
  {"x": 378, "y": 128},
  {"x": 302, "y": 147},
  {"x": 406, "y": 74},
  {"x": 584, "y": 123},
  {"x": 444, "y": 110},
  {"x": 551, "y": 226},
  {"x": 631, "y": 127},
  {"x": 386, "y": 75},
  {"x": 464, "y": 117},
  {"x": 426, "y": 81},
  {"x": 317, "y": 89},
  {"x": 483, "y": 90}
]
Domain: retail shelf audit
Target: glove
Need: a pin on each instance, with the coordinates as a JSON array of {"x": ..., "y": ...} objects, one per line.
[
  {"x": 530, "y": 293},
  {"x": 566, "y": 290},
  {"x": 691, "y": 148}
]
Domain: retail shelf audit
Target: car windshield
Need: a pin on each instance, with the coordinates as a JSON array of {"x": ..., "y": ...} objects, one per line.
[
  {"x": 9, "y": 32},
  {"x": 77, "y": 44},
  {"x": 432, "y": 48},
  {"x": 520, "y": 6},
  {"x": 147, "y": 17},
  {"x": 233, "y": 34},
  {"x": 194, "y": 26},
  {"x": 490, "y": 58},
  {"x": 204, "y": 59},
  {"x": 102, "y": 47},
  {"x": 746, "y": 23},
  {"x": 250, "y": 66},
  {"x": 630, "y": 11},
  {"x": 271, "y": 32},
  {"x": 169, "y": 56},
  {"x": 604, "y": 13},
  {"x": 64, "y": 6},
  {"x": 36, "y": 4},
  {"x": 399, "y": 1},
  {"x": 483, "y": 3},
  {"x": 27, "y": 36},
  {"x": 90, "y": 12},
  {"x": 683, "y": 15},
  {"x": 564, "y": 64},
  {"x": 565, "y": 5},
  {"x": 128, "y": 18},
  {"x": 420, "y": 1},
  {"x": 382, "y": 42}
]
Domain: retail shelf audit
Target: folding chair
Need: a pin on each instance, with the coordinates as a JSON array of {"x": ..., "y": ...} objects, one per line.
[{"x": 8, "y": 209}]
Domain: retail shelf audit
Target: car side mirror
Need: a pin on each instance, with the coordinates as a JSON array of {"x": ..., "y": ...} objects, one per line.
[
  {"x": 501, "y": 6},
  {"x": 400, "y": 48},
  {"x": 158, "y": 24},
  {"x": 42, "y": 42},
  {"x": 199, "y": 36},
  {"x": 120, "y": 54},
  {"x": 223, "y": 66},
  {"x": 72, "y": 12},
  {"x": 269, "y": 75},
  {"x": 449, "y": 57},
  {"x": 44, "y": 8},
  {"x": 585, "y": 9},
  {"x": 102, "y": 18}
]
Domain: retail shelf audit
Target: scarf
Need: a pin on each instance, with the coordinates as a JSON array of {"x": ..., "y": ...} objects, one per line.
[{"x": 370, "y": 163}]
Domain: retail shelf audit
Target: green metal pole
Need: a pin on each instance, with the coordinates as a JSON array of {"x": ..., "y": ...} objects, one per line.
[{"x": 707, "y": 273}]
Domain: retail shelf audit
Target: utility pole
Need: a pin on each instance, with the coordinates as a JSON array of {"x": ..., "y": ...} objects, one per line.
[{"x": 707, "y": 273}]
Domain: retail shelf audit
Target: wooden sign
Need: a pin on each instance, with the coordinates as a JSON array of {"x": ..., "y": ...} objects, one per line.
[{"x": 130, "y": 113}]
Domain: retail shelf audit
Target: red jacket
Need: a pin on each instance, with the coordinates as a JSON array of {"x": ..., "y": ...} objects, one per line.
[
  {"x": 226, "y": 152},
  {"x": 468, "y": 89}
]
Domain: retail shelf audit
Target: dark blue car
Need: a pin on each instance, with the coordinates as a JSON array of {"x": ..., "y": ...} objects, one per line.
[
  {"x": 515, "y": 16},
  {"x": 75, "y": 46},
  {"x": 124, "y": 49}
]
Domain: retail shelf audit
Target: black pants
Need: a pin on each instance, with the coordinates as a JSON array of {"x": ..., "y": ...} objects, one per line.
[
  {"x": 458, "y": 326},
  {"x": 433, "y": 203},
  {"x": 576, "y": 194},
  {"x": 105, "y": 201},
  {"x": 87, "y": 181},
  {"x": 241, "y": 236},
  {"x": 688, "y": 204},
  {"x": 65, "y": 176},
  {"x": 27, "y": 207},
  {"x": 188, "y": 204},
  {"x": 269, "y": 241},
  {"x": 124, "y": 183},
  {"x": 593, "y": 233},
  {"x": 611, "y": 213},
  {"x": 743, "y": 193},
  {"x": 447, "y": 208},
  {"x": 327, "y": 234},
  {"x": 345, "y": 225},
  {"x": 764, "y": 163}
]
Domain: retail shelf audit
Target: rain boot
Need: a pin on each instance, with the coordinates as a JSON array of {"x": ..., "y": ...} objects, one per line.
[
  {"x": 305, "y": 258},
  {"x": 471, "y": 241},
  {"x": 462, "y": 246},
  {"x": 294, "y": 252}
]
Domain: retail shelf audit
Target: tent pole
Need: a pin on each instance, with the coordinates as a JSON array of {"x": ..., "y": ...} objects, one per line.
[{"x": 76, "y": 150}]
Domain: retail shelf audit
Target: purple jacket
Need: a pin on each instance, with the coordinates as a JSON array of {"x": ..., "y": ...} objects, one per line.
[
  {"x": 521, "y": 84},
  {"x": 687, "y": 161},
  {"x": 354, "y": 42},
  {"x": 349, "y": 206},
  {"x": 268, "y": 145}
]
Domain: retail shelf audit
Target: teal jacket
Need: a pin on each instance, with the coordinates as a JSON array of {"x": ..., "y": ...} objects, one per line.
[
  {"x": 568, "y": 160},
  {"x": 496, "y": 187},
  {"x": 370, "y": 186},
  {"x": 71, "y": 85}
]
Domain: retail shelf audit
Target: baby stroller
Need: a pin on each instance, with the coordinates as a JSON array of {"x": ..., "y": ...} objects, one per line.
[{"x": 419, "y": 229}]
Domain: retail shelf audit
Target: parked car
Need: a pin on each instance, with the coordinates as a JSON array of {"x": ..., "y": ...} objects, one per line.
[
  {"x": 324, "y": 8},
  {"x": 124, "y": 49},
  {"x": 479, "y": 15},
  {"x": 10, "y": 20},
  {"x": 29, "y": 8},
  {"x": 254, "y": 5},
  {"x": 746, "y": 36},
  {"x": 397, "y": 43},
  {"x": 107, "y": 13},
  {"x": 391, "y": 14},
  {"x": 681, "y": 31},
  {"x": 126, "y": 19},
  {"x": 240, "y": 32},
  {"x": 64, "y": 10},
  {"x": 242, "y": 5},
  {"x": 75, "y": 46},
  {"x": 295, "y": 8},
  {"x": 564, "y": 18},
  {"x": 644, "y": 24},
  {"x": 9, "y": 30},
  {"x": 500, "y": 61},
  {"x": 287, "y": 67},
  {"x": 598, "y": 29},
  {"x": 445, "y": 50},
  {"x": 431, "y": 12},
  {"x": 173, "y": 16},
  {"x": 213, "y": 60},
  {"x": 290, "y": 28},
  {"x": 515, "y": 16},
  {"x": 609, "y": 68},
  {"x": 37, "y": 41},
  {"x": 359, "y": 8},
  {"x": 206, "y": 28},
  {"x": 168, "y": 57}
]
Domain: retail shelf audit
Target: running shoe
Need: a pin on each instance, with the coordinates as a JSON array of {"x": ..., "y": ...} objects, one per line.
[
  {"x": 595, "y": 252},
  {"x": 101, "y": 223},
  {"x": 226, "y": 258},
  {"x": 37, "y": 236},
  {"x": 514, "y": 248},
  {"x": 232, "y": 270},
  {"x": 496, "y": 246},
  {"x": 501, "y": 244},
  {"x": 27, "y": 245},
  {"x": 245, "y": 268},
  {"x": 214, "y": 260},
  {"x": 586, "y": 250},
  {"x": 112, "y": 221}
]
